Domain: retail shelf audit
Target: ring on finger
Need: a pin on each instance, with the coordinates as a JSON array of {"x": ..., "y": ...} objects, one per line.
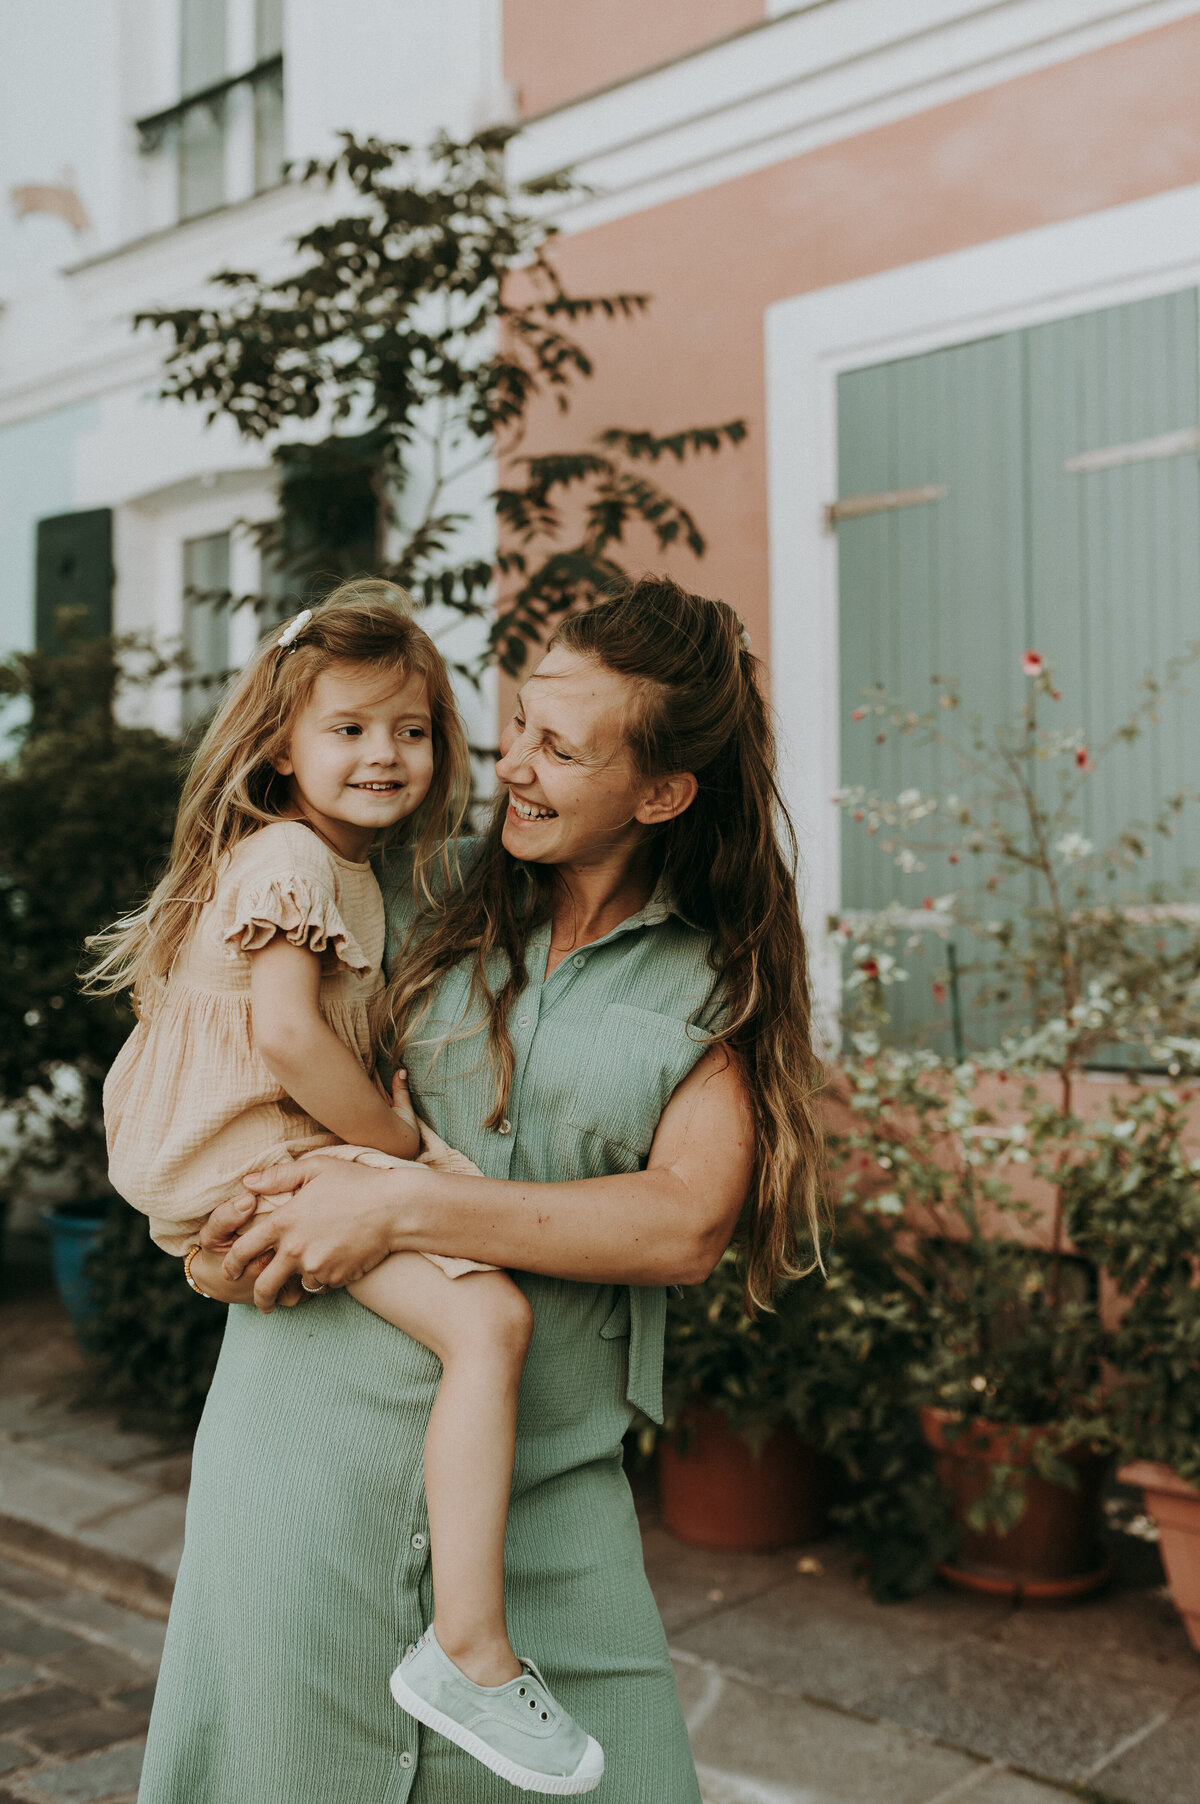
[{"x": 313, "y": 1290}]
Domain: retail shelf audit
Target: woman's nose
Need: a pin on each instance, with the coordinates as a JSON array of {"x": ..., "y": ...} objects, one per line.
[{"x": 513, "y": 762}]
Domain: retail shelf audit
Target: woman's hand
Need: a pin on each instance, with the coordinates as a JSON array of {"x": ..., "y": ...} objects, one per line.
[{"x": 337, "y": 1223}]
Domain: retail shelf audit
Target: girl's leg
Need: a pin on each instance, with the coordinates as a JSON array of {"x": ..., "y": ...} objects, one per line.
[{"x": 479, "y": 1326}]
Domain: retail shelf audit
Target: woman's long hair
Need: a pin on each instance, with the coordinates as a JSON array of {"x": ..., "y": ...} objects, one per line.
[
  {"x": 729, "y": 864},
  {"x": 233, "y": 789}
]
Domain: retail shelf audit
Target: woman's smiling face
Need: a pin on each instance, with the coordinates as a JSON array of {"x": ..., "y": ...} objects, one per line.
[{"x": 575, "y": 796}]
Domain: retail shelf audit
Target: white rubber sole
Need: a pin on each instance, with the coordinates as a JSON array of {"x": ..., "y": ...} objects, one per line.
[{"x": 586, "y": 1776}]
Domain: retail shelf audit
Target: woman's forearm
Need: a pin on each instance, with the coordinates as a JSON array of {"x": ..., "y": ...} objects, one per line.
[
  {"x": 668, "y": 1224},
  {"x": 642, "y": 1227}
]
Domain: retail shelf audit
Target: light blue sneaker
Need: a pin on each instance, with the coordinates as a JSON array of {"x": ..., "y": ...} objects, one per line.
[{"x": 516, "y": 1730}]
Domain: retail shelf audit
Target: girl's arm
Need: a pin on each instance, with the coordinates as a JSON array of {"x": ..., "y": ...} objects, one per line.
[
  {"x": 664, "y": 1225},
  {"x": 303, "y": 1053}
]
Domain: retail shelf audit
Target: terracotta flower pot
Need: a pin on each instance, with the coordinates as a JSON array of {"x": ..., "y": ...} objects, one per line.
[
  {"x": 716, "y": 1491},
  {"x": 1055, "y": 1551},
  {"x": 1175, "y": 1507}
]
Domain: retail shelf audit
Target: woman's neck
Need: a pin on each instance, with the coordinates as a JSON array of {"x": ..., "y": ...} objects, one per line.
[{"x": 593, "y": 899}]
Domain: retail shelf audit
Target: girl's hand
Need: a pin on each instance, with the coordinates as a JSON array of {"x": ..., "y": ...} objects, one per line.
[
  {"x": 337, "y": 1224},
  {"x": 208, "y": 1273},
  {"x": 401, "y": 1104}
]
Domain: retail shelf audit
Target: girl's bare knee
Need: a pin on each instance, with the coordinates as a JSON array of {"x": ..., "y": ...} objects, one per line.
[{"x": 500, "y": 1315}]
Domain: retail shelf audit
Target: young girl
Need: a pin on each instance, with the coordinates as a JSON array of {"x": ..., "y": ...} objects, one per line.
[{"x": 254, "y": 966}]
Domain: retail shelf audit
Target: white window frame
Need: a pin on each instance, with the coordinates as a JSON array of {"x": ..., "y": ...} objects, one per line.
[
  {"x": 158, "y": 168},
  {"x": 149, "y": 536},
  {"x": 1148, "y": 247}
]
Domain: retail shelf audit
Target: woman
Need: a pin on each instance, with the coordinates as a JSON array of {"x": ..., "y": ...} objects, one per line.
[{"x": 610, "y": 1017}]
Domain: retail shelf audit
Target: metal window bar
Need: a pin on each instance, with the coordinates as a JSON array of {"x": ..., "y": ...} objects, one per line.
[{"x": 154, "y": 129}]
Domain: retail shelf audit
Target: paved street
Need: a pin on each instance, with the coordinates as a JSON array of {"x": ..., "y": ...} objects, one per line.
[
  {"x": 797, "y": 1688},
  {"x": 76, "y": 1684}
]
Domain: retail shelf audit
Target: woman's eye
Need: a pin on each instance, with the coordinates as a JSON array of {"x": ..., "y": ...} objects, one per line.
[{"x": 563, "y": 757}]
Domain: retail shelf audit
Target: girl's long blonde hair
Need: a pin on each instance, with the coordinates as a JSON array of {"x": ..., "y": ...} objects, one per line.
[
  {"x": 233, "y": 788},
  {"x": 729, "y": 864}
]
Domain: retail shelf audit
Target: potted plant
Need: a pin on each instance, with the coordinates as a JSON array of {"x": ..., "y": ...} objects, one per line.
[
  {"x": 1134, "y": 1203},
  {"x": 974, "y": 1154},
  {"x": 771, "y": 1419},
  {"x": 1007, "y": 1375},
  {"x": 733, "y": 1470}
]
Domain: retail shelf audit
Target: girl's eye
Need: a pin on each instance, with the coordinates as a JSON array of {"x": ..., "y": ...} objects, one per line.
[
  {"x": 412, "y": 733},
  {"x": 352, "y": 731}
]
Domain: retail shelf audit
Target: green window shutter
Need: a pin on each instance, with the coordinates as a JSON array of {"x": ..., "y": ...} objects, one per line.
[
  {"x": 74, "y": 571},
  {"x": 1095, "y": 564},
  {"x": 1115, "y": 551}
]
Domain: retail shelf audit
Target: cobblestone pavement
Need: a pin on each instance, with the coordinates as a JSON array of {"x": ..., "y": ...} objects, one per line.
[{"x": 76, "y": 1683}]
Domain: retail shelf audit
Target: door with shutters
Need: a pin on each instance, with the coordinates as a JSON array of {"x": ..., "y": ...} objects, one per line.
[{"x": 1036, "y": 489}]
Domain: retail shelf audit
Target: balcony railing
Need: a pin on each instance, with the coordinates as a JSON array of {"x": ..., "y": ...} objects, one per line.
[{"x": 155, "y": 128}]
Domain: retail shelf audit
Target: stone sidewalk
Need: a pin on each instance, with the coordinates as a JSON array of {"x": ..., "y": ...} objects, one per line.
[{"x": 797, "y": 1688}]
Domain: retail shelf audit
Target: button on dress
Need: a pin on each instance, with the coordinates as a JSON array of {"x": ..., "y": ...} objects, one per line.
[{"x": 305, "y": 1573}]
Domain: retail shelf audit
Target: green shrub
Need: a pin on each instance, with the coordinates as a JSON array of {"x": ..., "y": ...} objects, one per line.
[{"x": 154, "y": 1343}]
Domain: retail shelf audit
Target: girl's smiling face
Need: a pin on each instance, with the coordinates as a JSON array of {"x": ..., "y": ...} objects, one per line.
[{"x": 360, "y": 756}]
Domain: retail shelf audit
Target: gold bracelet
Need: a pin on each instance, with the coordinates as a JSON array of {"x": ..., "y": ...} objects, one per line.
[{"x": 187, "y": 1272}]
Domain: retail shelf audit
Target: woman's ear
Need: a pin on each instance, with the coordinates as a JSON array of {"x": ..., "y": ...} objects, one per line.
[{"x": 667, "y": 797}]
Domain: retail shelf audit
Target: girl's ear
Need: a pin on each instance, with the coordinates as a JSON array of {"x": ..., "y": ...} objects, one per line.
[
  {"x": 283, "y": 765},
  {"x": 666, "y": 798}
]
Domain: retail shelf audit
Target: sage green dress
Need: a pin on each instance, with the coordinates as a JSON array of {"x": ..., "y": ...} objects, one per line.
[{"x": 305, "y": 1573}]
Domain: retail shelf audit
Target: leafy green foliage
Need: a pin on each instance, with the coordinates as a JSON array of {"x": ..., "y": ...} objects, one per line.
[
  {"x": 942, "y": 1151},
  {"x": 87, "y": 809},
  {"x": 414, "y": 333},
  {"x": 833, "y": 1359},
  {"x": 1133, "y": 1205},
  {"x": 153, "y": 1343},
  {"x": 1014, "y": 1337}
]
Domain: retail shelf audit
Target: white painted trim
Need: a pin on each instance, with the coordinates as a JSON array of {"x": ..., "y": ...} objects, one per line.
[
  {"x": 804, "y": 79},
  {"x": 96, "y": 350},
  {"x": 1126, "y": 253}
]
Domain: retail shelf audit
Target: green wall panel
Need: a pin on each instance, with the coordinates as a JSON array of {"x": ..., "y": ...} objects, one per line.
[{"x": 1100, "y": 571}]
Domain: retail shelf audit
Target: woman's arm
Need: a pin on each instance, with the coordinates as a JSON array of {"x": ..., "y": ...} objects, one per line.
[
  {"x": 668, "y": 1224},
  {"x": 303, "y": 1053}
]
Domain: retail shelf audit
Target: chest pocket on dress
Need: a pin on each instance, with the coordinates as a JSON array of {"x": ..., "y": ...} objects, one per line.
[{"x": 636, "y": 1060}]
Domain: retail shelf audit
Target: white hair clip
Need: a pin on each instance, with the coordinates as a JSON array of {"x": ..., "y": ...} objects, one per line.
[
  {"x": 746, "y": 640},
  {"x": 288, "y": 637}
]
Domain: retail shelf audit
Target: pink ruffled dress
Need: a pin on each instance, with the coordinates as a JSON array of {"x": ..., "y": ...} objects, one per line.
[{"x": 189, "y": 1106}]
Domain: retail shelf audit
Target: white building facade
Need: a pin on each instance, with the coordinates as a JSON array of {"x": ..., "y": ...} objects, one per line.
[{"x": 142, "y": 145}]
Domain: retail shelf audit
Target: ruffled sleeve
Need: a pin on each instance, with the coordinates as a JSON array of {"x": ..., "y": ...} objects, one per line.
[{"x": 285, "y": 882}]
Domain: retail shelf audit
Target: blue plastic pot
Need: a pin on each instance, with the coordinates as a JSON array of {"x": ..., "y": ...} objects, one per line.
[{"x": 74, "y": 1236}]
